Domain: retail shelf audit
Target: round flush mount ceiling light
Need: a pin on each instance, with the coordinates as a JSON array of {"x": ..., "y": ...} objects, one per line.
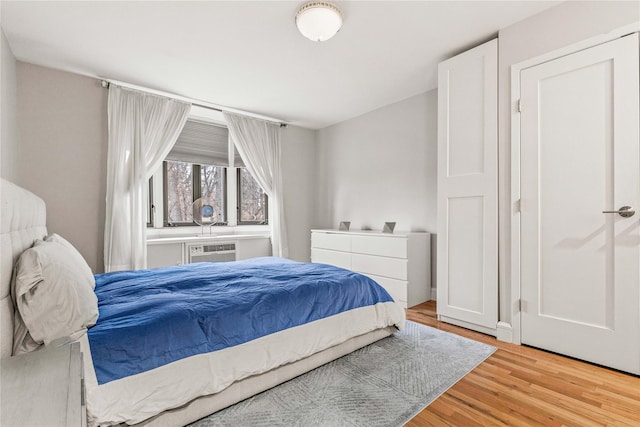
[{"x": 319, "y": 21}]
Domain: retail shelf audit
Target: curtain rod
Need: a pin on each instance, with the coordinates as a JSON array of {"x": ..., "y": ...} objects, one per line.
[{"x": 106, "y": 83}]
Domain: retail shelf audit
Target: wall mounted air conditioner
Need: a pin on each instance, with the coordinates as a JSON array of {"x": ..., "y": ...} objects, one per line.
[{"x": 217, "y": 252}]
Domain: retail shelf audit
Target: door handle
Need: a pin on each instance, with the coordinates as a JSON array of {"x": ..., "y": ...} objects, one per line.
[{"x": 625, "y": 211}]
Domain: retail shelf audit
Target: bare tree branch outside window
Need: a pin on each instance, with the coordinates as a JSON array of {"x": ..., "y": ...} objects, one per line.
[
  {"x": 252, "y": 201},
  {"x": 185, "y": 182},
  {"x": 213, "y": 189},
  {"x": 179, "y": 192}
]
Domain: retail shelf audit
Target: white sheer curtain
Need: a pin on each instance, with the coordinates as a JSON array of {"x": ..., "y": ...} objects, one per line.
[
  {"x": 142, "y": 130},
  {"x": 258, "y": 143}
]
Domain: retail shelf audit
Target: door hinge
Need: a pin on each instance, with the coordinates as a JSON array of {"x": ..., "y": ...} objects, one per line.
[
  {"x": 517, "y": 206},
  {"x": 519, "y": 106},
  {"x": 522, "y": 306}
]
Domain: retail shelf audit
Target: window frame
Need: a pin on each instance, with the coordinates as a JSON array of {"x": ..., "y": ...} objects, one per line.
[
  {"x": 239, "y": 220},
  {"x": 196, "y": 194},
  {"x": 151, "y": 206}
]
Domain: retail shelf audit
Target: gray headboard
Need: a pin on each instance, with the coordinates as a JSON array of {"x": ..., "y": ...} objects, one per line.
[{"x": 22, "y": 221}]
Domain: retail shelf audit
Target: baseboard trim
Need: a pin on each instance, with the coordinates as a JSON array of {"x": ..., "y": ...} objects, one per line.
[
  {"x": 504, "y": 332},
  {"x": 467, "y": 325}
]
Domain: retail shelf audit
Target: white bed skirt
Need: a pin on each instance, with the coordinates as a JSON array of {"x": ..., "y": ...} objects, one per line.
[{"x": 139, "y": 397}]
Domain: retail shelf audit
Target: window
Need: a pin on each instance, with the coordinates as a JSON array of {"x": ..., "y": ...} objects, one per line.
[
  {"x": 203, "y": 164},
  {"x": 213, "y": 190},
  {"x": 252, "y": 202},
  {"x": 184, "y": 183},
  {"x": 178, "y": 192}
]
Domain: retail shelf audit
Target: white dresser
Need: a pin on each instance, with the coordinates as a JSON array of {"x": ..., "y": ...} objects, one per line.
[{"x": 400, "y": 262}]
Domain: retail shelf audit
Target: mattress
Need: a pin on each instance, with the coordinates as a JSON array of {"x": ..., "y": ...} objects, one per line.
[{"x": 138, "y": 389}]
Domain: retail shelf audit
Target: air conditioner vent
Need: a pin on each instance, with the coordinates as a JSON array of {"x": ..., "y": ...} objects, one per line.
[
  {"x": 219, "y": 248},
  {"x": 212, "y": 253}
]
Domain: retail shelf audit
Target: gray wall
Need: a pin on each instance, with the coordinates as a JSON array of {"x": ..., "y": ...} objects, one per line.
[
  {"x": 558, "y": 27},
  {"x": 298, "y": 175},
  {"x": 380, "y": 167},
  {"x": 62, "y": 130},
  {"x": 9, "y": 147}
]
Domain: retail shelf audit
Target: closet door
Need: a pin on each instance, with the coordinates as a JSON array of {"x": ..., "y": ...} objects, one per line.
[{"x": 468, "y": 188}]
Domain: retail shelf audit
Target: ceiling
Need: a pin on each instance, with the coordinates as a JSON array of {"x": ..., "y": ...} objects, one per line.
[{"x": 248, "y": 55}]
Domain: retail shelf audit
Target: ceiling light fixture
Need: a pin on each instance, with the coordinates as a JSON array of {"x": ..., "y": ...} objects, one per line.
[{"x": 319, "y": 21}]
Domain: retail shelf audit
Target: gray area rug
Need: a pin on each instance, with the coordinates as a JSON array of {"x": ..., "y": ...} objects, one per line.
[{"x": 383, "y": 384}]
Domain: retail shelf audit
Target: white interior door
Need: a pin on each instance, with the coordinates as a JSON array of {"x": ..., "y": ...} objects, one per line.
[
  {"x": 580, "y": 156},
  {"x": 468, "y": 188}
]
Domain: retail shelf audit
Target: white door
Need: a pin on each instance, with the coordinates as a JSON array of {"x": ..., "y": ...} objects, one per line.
[
  {"x": 580, "y": 156},
  {"x": 467, "y": 188}
]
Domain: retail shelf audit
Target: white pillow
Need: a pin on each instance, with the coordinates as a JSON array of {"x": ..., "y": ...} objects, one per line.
[
  {"x": 53, "y": 293},
  {"x": 56, "y": 238}
]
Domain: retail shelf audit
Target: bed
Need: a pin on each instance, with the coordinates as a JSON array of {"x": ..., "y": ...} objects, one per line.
[{"x": 175, "y": 384}]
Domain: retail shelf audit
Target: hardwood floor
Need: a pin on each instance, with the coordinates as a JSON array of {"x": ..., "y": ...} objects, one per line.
[{"x": 523, "y": 386}]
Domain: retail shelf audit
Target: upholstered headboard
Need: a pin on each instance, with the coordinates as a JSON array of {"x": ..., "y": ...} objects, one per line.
[{"x": 22, "y": 221}]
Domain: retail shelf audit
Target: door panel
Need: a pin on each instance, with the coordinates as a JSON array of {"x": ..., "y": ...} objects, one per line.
[
  {"x": 580, "y": 268},
  {"x": 465, "y": 218},
  {"x": 465, "y": 145}
]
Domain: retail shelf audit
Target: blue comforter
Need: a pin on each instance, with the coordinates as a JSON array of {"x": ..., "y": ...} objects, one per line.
[{"x": 149, "y": 318}]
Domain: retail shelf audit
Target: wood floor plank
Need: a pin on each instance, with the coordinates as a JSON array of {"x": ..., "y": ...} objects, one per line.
[
  {"x": 531, "y": 404},
  {"x": 428, "y": 418},
  {"x": 590, "y": 411},
  {"x": 491, "y": 403},
  {"x": 608, "y": 396},
  {"x": 470, "y": 417},
  {"x": 525, "y": 386}
]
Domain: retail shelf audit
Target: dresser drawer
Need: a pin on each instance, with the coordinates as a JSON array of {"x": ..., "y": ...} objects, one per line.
[
  {"x": 336, "y": 242},
  {"x": 396, "y": 288},
  {"x": 395, "y": 247},
  {"x": 394, "y": 268},
  {"x": 339, "y": 259}
]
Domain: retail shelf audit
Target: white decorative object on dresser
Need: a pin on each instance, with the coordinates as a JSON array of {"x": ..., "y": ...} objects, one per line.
[
  {"x": 43, "y": 388},
  {"x": 400, "y": 262}
]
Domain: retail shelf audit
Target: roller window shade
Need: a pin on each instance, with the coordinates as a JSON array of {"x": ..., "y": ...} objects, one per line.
[
  {"x": 203, "y": 143},
  {"x": 237, "y": 160}
]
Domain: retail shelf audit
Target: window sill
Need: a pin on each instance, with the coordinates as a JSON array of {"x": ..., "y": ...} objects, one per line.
[{"x": 193, "y": 232}]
